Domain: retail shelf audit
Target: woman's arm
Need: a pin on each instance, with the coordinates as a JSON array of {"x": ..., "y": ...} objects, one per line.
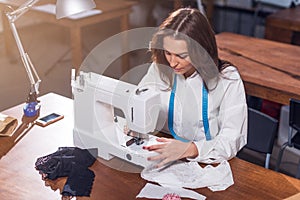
[{"x": 232, "y": 120}]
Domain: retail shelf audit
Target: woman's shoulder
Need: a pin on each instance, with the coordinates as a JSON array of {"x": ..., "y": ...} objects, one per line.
[
  {"x": 153, "y": 68},
  {"x": 152, "y": 75},
  {"x": 230, "y": 72}
]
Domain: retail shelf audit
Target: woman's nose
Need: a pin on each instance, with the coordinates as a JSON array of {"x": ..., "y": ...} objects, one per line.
[{"x": 173, "y": 61}]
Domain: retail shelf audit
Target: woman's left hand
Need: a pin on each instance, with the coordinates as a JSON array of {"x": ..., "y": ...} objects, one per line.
[{"x": 170, "y": 150}]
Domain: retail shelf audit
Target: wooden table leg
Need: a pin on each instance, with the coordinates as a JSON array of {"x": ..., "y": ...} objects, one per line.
[
  {"x": 210, "y": 10},
  {"x": 76, "y": 45},
  {"x": 125, "y": 57}
]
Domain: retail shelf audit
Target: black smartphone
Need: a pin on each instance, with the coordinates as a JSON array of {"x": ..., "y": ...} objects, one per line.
[{"x": 49, "y": 119}]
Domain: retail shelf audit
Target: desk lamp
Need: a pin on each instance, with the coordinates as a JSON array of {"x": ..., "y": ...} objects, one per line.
[{"x": 63, "y": 8}]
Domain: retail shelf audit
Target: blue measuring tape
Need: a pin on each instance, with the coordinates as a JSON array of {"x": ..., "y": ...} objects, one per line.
[
  {"x": 171, "y": 112},
  {"x": 204, "y": 112}
]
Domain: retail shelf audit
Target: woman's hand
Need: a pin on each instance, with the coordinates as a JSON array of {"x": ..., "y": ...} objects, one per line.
[{"x": 171, "y": 150}]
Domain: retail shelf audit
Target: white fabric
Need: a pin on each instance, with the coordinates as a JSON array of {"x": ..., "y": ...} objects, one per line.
[
  {"x": 227, "y": 113},
  {"x": 191, "y": 175},
  {"x": 152, "y": 191}
]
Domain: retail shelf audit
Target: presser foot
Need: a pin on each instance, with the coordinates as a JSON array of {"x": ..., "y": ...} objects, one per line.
[{"x": 135, "y": 140}]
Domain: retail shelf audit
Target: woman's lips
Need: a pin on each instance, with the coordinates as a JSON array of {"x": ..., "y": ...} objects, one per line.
[{"x": 178, "y": 69}]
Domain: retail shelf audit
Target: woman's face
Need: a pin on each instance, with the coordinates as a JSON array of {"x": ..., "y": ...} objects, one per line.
[{"x": 176, "y": 53}]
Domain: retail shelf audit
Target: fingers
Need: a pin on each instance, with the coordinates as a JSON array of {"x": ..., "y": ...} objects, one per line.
[
  {"x": 163, "y": 139},
  {"x": 167, "y": 151},
  {"x": 158, "y": 146},
  {"x": 163, "y": 162},
  {"x": 154, "y": 158},
  {"x": 154, "y": 147}
]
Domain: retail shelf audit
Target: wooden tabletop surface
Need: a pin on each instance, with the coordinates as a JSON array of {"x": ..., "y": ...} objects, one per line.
[
  {"x": 288, "y": 18},
  {"x": 270, "y": 70},
  {"x": 19, "y": 180}
]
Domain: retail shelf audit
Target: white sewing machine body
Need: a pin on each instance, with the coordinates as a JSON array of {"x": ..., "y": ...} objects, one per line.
[{"x": 95, "y": 123}]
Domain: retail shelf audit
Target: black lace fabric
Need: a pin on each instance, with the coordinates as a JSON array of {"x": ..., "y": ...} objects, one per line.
[{"x": 71, "y": 162}]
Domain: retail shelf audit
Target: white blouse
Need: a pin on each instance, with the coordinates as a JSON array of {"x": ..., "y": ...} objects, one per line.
[{"x": 227, "y": 112}]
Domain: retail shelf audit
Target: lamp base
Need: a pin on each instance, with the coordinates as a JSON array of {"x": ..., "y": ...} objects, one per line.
[{"x": 31, "y": 109}]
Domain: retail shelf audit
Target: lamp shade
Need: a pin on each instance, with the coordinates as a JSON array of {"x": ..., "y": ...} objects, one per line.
[{"x": 66, "y": 8}]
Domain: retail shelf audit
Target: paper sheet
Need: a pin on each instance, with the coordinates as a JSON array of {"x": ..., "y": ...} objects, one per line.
[
  {"x": 50, "y": 8},
  {"x": 157, "y": 192}
]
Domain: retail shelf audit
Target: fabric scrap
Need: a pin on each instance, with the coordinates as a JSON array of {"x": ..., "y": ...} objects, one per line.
[
  {"x": 71, "y": 162},
  {"x": 153, "y": 191}
]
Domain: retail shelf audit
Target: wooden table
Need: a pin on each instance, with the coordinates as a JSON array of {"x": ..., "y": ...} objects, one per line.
[
  {"x": 19, "y": 179},
  {"x": 270, "y": 70},
  {"x": 284, "y": 26},
  {"x": 112, "y": 9}
]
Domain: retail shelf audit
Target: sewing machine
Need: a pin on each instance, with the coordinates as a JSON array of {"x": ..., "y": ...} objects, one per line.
[{"x": 97, "y": 99}]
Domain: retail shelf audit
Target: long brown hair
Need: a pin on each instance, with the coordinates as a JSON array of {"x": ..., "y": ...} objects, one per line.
[{"x": 190, "y": 25}]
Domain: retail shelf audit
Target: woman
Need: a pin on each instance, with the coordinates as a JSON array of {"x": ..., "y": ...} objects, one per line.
[{"x": 203, "y": 98}]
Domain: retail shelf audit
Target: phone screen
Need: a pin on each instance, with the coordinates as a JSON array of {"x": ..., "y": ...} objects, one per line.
[{"x": 49, "y": 117}]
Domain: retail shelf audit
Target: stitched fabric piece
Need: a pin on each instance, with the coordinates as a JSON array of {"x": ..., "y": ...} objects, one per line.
[{"x": 71, "y": 162}]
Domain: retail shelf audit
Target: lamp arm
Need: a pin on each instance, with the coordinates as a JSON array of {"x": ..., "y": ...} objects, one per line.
[
  {"x": 15, "y": 14},
  {"x": 30, "y": 69}
]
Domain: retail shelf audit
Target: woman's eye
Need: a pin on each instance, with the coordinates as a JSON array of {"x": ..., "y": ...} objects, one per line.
[
  {"x": 167, "y": 53},
  {"x": 182, "y": 56}
]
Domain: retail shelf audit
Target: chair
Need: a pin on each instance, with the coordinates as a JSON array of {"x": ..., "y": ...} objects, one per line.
[
  {"x": 293, "y": 133},
  {"x": 262, "y": 130}
]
